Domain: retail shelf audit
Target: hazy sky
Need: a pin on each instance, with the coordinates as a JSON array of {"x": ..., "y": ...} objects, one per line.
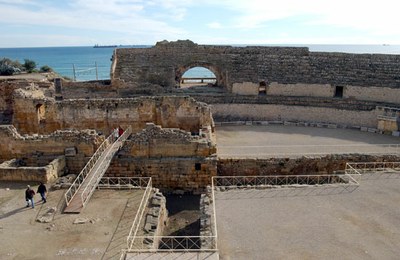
[{"x": 31, "y": 23}]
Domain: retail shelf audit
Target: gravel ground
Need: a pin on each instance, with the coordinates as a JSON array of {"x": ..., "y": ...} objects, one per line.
[
  {"x": 291, "y": 141},
  {"x": 107, "y": 220},
  {"x": 350, "y": 224}
]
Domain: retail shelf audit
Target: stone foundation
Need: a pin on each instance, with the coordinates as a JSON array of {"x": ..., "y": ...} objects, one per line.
[{"x": 30, "y": 170}]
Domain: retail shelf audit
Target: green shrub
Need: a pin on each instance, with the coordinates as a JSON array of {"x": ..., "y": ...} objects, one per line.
[
  {"x": 46, "y": 68},
  {"x": 29, "y": 65},
  {"x": 9, "y": 67}
]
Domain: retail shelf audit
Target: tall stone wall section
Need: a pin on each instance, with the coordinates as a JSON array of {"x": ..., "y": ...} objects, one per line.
[
  {"x": 165, "y": 63},
  {"x": 106, "y": 114},
  {"x": 174, "y": 159}
]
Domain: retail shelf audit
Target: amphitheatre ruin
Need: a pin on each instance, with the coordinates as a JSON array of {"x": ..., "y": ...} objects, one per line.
[{"x": 287, "y": 154}]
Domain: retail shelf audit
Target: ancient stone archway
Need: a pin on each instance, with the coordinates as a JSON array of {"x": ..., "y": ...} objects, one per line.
[
  {"x": 241, "y": 69},
  {"x": 220, "y": 79}
]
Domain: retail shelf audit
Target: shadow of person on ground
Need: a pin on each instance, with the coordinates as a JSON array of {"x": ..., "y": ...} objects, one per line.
[{"x": 15, "y": 211}]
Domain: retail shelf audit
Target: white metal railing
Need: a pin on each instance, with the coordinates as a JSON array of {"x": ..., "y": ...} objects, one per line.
[
  {"x": 69, "y": 195},
  {"x": 123, "y": 182},
  {"x": 308, "y": 150},
  {"x": 102, "y": 168},
  {"x": 173, "y": 243},
  {"x": 214, "y": 217},
  {"x": 364, "y": 167},
  {"x": 139, "y": 215},
  {"x": 282, "y": 180}
]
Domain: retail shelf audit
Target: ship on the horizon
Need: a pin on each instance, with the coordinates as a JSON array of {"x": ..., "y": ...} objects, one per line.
[{"x": 105, "y": 46}]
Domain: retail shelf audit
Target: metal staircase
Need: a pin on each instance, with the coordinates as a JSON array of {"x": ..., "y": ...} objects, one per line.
[{"x": 78, "y": 195}]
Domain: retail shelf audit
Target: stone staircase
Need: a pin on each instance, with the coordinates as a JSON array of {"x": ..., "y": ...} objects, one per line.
[{"x": 78, "y": 195}]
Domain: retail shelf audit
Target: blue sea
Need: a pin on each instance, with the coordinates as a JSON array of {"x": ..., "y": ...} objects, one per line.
[{"x": 85, "y": 61}]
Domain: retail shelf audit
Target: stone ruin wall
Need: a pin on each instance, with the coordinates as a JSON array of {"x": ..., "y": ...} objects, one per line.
[
  {"x": 106, "y": 114},
  {"x": 37, "y": 171},
  {"x": 379, "y": 94},
  {"x": 307, "y": 165},
  {"x": 272, "y": 112},
  {"x": 281, "y": 68},
  {"x": 173, "y": 158},
  {"x": 44, "y": 148}
]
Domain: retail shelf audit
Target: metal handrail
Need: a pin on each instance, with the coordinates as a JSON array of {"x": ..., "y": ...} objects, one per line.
[
  {"x": 71, "y": 192},
  {"x": 173, "y": 243},
  {"x": 281, "y": 180},
  {"x": 214, "y": 225},
  {"x": 123, "y": 182},
  {"x": 139, "y": 215},
  {"x": 94, "y": 180},
  {"x": 371, "y": 166}
]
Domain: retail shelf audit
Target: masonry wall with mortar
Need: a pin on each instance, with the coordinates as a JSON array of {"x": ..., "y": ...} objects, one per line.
[
  {"x": 173, "y": 158},
  {"x": 299, "y": 166},
  {"x": 106, "y": 114},
  {"x": 34, "y": 171},
  {"x": 165, "y": 63},
  {"x": 47, "y": 147},
  {"x": 249, "y": 112}
]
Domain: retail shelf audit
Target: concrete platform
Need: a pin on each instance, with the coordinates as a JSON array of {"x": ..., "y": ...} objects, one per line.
[
  {"x": 355, "y": 224},
  {"x": 267, "y": 141},
  {"x": 173, "y": 256}
]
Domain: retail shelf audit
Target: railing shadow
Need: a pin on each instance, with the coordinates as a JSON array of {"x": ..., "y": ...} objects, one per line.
[
  {"x": 366, "y": 176},
  {"x": 118, "y": 240},
  {"x": 255, "y": 193}
]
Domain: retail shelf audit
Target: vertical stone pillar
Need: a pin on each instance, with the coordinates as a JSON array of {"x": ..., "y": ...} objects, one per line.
[{"x": 58, "y": 86}]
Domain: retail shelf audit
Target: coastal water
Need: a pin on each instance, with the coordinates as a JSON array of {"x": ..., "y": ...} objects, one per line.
[{"x": 88, "y": 63}]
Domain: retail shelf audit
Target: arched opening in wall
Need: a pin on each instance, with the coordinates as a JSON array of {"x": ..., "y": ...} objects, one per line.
[
  {"x": 41, "y": 113},
  {"x": 262, "y": 88},
  {"x": 198, "y": 77}
]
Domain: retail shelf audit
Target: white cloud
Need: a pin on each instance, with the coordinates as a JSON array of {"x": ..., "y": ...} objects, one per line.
[
  {"x": 214, "y": 25},
  {"x": 106, "y": 15},
  {"x": 373, "y": 17}
]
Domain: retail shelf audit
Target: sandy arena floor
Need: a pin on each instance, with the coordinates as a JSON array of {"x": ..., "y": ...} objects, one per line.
[
  {"x": 293, "y": 141},
  {"x": 109, "y": 216},
  {"x": 358, "y": 224}
]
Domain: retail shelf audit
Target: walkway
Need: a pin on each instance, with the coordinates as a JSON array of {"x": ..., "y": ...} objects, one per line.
[{"x": 77, "y": 197}]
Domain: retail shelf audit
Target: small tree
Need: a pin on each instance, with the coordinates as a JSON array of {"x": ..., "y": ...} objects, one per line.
[
  {"x": 29, "y": 65},
  {"x": 45, "y": 68}
]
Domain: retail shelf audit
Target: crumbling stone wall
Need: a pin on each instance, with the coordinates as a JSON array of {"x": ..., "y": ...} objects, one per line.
[
  {"x": 295, "y": 166},
  {"x": 31, "y": 170},
  {"x": 77, "y": 146},
  {"x": 165, "y": 63},
  {"x": 173, "y": 158},
  {"x": 106, "y": 114}
]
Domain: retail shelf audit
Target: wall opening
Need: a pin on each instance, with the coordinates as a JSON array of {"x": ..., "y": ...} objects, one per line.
[
  {"x": 262, "y": 88},
  {"x": 338, "y": 91},
  {"x": 198, "y": 76},
  {"x": 197, "y": 166},
  {"x": 41, "y": 113}
]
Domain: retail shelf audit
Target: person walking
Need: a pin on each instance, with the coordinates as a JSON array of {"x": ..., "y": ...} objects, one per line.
[
  {"x": 116, "y": 133},
  {"x": 29, "y": 193},
  {"x": 42, "y": 190}
]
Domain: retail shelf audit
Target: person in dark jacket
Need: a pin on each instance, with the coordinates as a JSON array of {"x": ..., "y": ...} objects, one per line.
[
  {"x": 29, "y": 193},
  {"x": 42, "y": 190}
]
